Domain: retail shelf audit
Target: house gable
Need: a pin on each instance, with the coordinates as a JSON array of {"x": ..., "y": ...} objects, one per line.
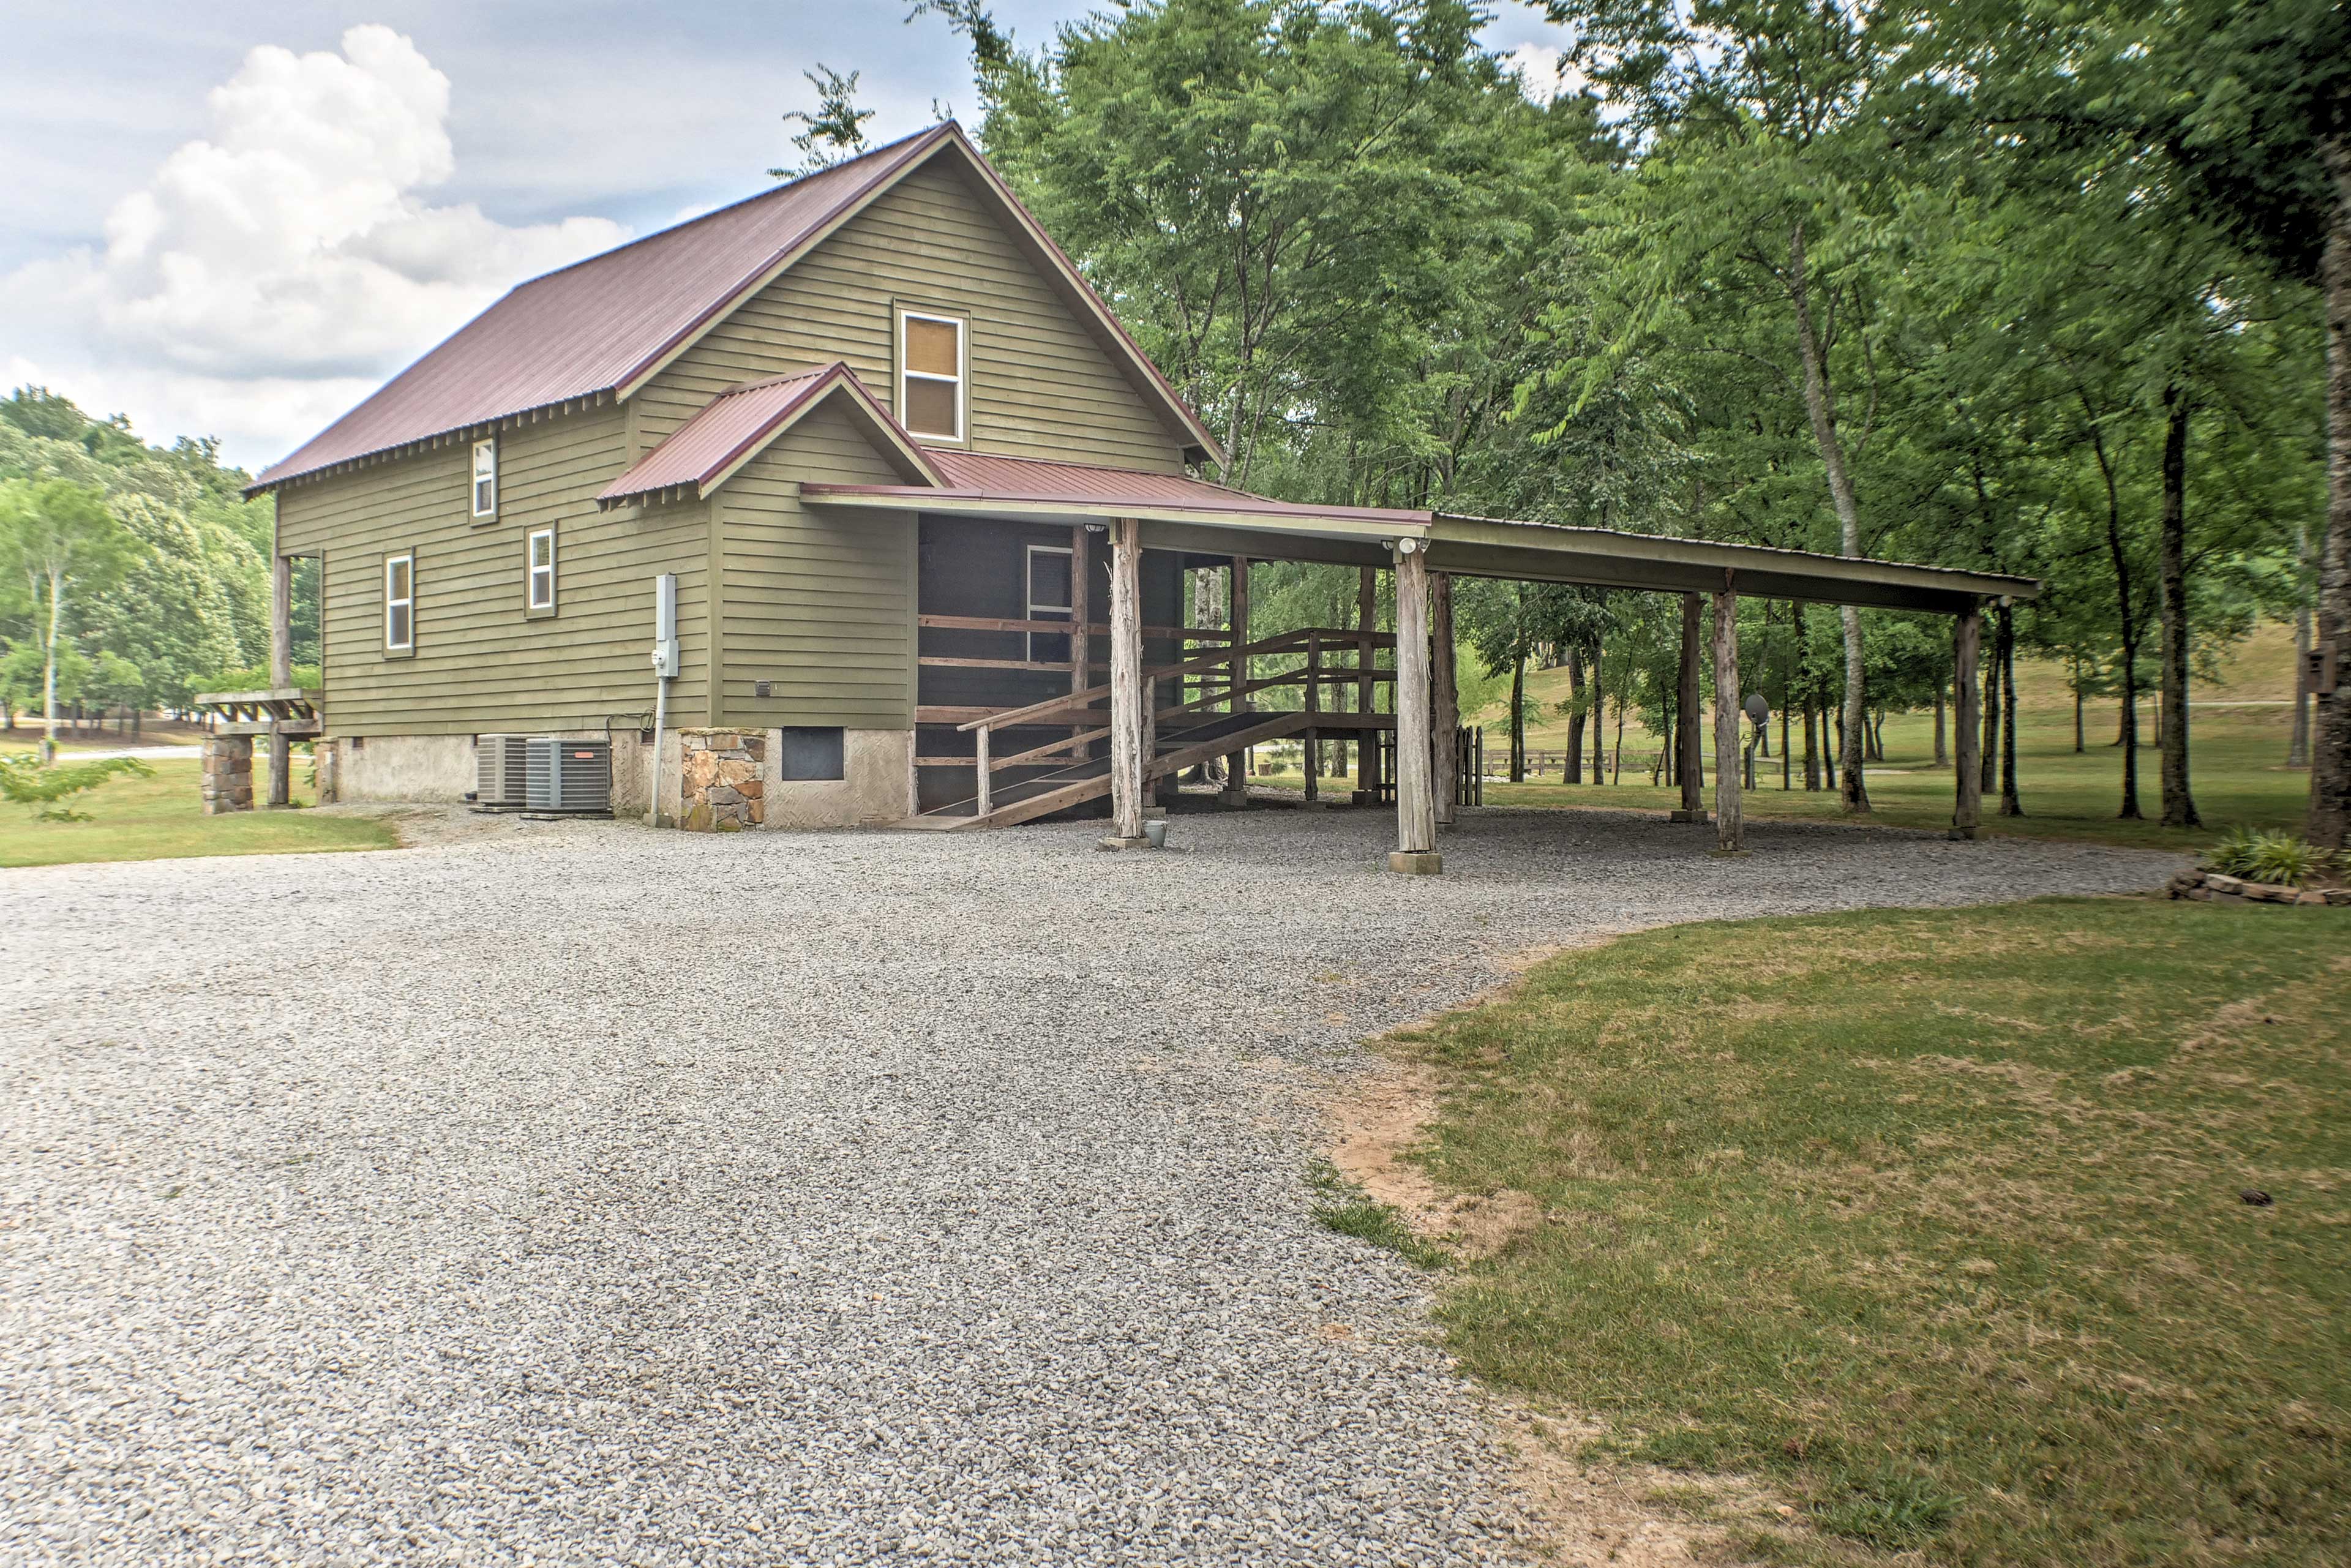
[{"x": 1043, "y": 382}]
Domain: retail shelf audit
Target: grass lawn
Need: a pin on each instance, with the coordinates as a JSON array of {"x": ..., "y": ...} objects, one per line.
[
  {"x": 1934, "y": 1218},
  {"x": 161, "y": 818}
]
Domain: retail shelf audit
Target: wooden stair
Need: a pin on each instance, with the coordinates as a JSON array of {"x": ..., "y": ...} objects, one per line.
[{"x": 1179, "y": 747}]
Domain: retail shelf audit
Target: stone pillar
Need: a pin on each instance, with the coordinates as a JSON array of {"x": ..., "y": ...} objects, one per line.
[
  {"x": 724, "y": 778},
  {"x": 228, "y": 774},
  {"x": 1416, "y": 851}
]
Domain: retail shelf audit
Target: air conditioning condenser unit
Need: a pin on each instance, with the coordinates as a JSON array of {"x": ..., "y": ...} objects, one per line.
[
  {"x": 499, "y": 766},
  {"x": 567, "y": 774}
]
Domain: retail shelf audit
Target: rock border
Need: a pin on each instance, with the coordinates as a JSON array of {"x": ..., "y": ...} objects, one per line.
[{"x": 2213, "y": 886}]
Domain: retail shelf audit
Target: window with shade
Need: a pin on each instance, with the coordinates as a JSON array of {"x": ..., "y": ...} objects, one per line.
[
  {"x": 486, "y": 479},
  {"x": 931, "y": 375}
]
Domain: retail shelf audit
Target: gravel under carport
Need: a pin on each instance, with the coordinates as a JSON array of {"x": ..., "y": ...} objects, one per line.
[{"x": 584, "y": 1193}]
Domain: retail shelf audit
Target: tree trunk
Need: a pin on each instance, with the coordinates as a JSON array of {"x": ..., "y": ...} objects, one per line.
[
  {"x": 1599, "y": 716},
  {"x": 1617, "y": 773},
  {"x": 1820, "y": 404},
  {"x": 2079, "y": 741},
  {"x": 2330, "y": 752},
  {"x": 1942, "y": 749},
  {"x": 2178, "y": 804},
  {"x": 49, "y": 673},
  {"x": 1572, "y": 769},
  {"x": 1519, "y": 717},
  {"x": 1811, "y": 745},
  {"x": 2005, "y": 655},
  {"x": 1991, "y": 775},
  {"x": 2297, "y": 751}
]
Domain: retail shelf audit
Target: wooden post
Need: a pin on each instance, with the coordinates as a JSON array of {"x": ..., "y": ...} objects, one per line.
[
  {"x": 1729, "y": 819},
  {"x": 1416, "y": 850},
  {"x": 1312, "y": 755},
  {"x": 1688, "y": 761},
  {"x": 983, "y": 791},
  {"x": 1236, "y": 791},
  {"x": 1448, "y": 697},
  {"x": 281, "y": 671},
  {"x": 1367, "y": 743},
  {"x": 1150, "y": 738},
  {"x": 1967, "y": 724},
  {"x": 1125, "y": 684},
  {"x": 1081, "y": 613}
]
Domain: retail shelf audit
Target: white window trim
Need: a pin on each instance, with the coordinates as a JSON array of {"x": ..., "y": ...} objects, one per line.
[
  {"x": 532, "y": 571},
  {"x": 961, "y": 380},
  {"x": 1029, "y": 593},
  {"x": 489, "y": 444},
  {"x": 406, "y": 602}
]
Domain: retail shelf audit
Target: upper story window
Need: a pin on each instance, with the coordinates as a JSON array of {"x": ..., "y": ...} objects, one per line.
[
  {"x": 485, "y": 478},
  {"x": 399, "y": 603},
  {"x": 541, "y": 568},
  {"x": 931, "y": 375}
]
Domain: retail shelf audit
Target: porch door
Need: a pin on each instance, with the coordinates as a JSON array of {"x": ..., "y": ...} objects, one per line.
[{"x": 1047, "y": 580}]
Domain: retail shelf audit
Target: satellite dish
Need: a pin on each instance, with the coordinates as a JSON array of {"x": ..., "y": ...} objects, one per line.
[{"x": 1757, "y": 708}]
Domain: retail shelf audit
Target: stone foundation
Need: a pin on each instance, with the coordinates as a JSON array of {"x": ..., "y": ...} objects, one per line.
[
  {"x": 228, "y": 774},
  {"x": 724, "y": 785}
]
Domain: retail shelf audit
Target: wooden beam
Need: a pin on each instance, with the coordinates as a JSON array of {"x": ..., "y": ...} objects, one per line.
[
  {"x": 1730, "y": 824},
  {"x": 1126, "y": 759},
  {"x": 1966, "y": 703},
  {"x": 1415, "y": 848},
  {"x": 1448, "y": 693},
  {"x": 1079, "y": 628},
  {"x": 1688, "y": 758},
  {"x": 1311, "y": 750}
]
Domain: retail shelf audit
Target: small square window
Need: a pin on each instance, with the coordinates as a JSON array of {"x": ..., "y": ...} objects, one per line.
[
  {"x": 932, "y": 373},
  {"x": 399, "y": 603},
  {"x": 541, "y": 568},
  {"x": 485, "y": 478},
  {"x": 809, "y": 753}
]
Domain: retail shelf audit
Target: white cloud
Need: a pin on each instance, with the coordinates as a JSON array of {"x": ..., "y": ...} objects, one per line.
[
  {"x": 1537, "y": 65},
  {"x": 269, "y": 273}
]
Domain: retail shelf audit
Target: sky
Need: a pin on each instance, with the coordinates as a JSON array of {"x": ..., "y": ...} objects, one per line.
[{"x": 238, "y": 219}]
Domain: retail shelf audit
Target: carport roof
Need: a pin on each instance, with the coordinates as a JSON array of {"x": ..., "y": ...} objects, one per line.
[{"x": 1200, "y": 518}]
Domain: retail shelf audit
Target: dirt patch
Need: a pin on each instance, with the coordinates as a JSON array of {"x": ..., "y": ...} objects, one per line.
[
  {"x": 424, "y": 825},
  {"x": 1380, "y": 1120}
]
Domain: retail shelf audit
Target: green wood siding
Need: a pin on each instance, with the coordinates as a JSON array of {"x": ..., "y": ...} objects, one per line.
[
  {"x": 1040, "y": 384},
  {"x": 482, "y": 663},
  {"x": 819, "y": 605}
]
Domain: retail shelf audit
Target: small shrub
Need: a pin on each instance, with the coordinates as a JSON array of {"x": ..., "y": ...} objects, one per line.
[
  {"x": 2278, "y": 858},
  {"x": 25, "y": 780}
]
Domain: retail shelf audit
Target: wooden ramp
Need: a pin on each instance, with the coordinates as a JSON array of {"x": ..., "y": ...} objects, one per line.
[{"x": 1074, "y": 784}]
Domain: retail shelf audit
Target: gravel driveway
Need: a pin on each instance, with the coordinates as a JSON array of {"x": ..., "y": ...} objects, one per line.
[{"x": 590, "y": 1195}]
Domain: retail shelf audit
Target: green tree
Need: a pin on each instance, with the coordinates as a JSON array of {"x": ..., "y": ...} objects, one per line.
[
  {"x": 835, "y": 131},
  {"x": 60, "y": 540}
]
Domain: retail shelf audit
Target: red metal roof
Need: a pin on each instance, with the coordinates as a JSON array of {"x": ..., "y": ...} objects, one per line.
[
  {"x": 979, "y": 476},
  {"x": 736, "y": 423},
  {"x": 600, "y": 324}
]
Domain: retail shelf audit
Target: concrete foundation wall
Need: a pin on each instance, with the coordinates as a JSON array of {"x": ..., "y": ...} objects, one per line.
[
  {"x": 404, "y": 767},
  {"x": 878, "y": 788}
]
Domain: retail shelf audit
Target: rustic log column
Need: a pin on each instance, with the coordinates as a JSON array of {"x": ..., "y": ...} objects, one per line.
[
  {"x": 1416, "y": 851},
  {"x": 1080, "y": 612},
  {"x": 281, "y": 673},
  {"x": 1730, "y": 819},
  {"x": 1125, "y": 685},
  {"x": 1967, "y": 724},
  {"x": 1367, "y": 741},
  {"x": 1236, "y": 791},
  {"x": 1688, "y": 761},
  {"x": 1447, "y": 698}
]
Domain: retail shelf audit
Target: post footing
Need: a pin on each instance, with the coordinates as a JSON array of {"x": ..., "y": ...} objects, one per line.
[
  {"x": 1119, "y": 843},
  {"x": 1233, "y": 800},
  {"x": 1364, "y": 798},
  {"x": 1678, "y": 815},
  {"x": 1964, "y": 834},
  {"x": 1416, "y": 862}
]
